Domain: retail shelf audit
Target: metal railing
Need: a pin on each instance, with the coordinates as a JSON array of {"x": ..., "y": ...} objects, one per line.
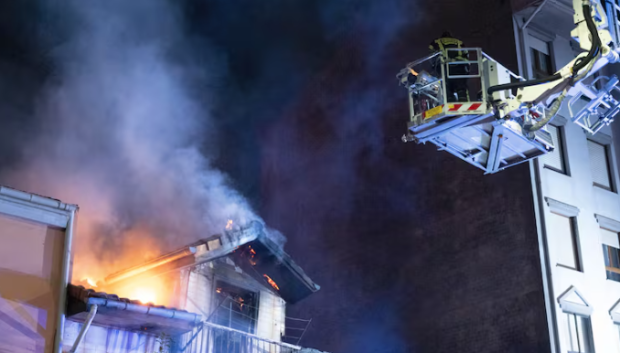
[{"x": 212, "y": 338}]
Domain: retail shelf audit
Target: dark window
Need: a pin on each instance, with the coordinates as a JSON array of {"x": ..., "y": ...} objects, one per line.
[
  {"x": 237, "y": 308},
  {"x": 555, "y": 160},
  {"x": 612, "y": 262},
  {"x": 541, "y": 64},
  {"x": 599, "y": 165}
]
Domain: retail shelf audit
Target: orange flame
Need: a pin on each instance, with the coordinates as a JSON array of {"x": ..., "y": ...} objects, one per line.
[
  {"x": 144, "y": 295},
  {"x": 90, "y": 282},
  {"x": 272, "y": 282},
  {"x": 229, "y": 224}
]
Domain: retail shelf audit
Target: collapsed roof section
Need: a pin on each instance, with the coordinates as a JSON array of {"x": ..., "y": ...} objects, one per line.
[{"x": 250, "y": 249}]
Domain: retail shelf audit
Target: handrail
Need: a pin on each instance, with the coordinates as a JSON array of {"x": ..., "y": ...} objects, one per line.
[{"x": 509, "y": 72}]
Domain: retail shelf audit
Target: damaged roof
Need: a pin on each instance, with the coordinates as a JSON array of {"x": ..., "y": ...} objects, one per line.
[
  {"x": 250, "y": 248},
  {"x": 126, "y": 314},
  {"x": 267, "y": 263}
]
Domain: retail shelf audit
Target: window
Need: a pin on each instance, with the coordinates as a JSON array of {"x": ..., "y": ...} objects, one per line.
[
  {"x": 610, "y": 254},
  {"x": 599, "y": 165},
  {"x": 563, "y": 229},
  {"x": 237, "y": 308},
  {"x": 578, "y": 330},
  {"x": 579, "y": 333},
  {"x": 555, "y": 160},
  {"x": 541, "y": 58},
  {"x": 611, "y": 246}
]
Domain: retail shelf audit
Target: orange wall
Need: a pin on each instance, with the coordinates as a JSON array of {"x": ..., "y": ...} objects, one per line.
[{"x": 30, "y": 273}]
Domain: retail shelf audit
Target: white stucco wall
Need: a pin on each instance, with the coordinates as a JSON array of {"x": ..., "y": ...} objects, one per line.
[
  {"x": 577, "y": 190},
  {"x": 271, "y": 313}
]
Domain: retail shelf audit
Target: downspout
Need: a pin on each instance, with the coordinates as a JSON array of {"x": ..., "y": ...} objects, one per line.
[
  {"x": 89, "y": 319},
  {"x": 64, "y": 281},
  {"x": 543, "y": 250}
]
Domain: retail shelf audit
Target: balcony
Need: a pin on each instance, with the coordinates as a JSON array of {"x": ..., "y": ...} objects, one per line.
[{"x": 212, "y": 338}]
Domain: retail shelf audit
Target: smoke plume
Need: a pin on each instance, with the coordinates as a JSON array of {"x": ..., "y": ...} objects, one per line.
[{"x": 124, "y": 122}]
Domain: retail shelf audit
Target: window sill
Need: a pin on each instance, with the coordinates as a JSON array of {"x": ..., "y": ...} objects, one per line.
[
  {"x": 555, "y": 170},
  {"x": 568, "y": 268},
  {"x": 604, "y": 188}
]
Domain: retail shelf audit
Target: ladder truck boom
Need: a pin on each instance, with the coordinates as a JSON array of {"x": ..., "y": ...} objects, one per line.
[{"x": 504, "y": 122}]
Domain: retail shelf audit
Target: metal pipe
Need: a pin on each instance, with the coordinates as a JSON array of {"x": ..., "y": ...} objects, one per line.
[
  {"x": 160, "y": 261},
  {"x": 64, "y": 282},
  {"x": 89, "y": 319},
  {"x": 534, "y": 14}
]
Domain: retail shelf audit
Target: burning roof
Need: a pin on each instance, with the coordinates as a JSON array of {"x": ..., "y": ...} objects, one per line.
[
  {"x": 267, "y": 263},
  {"x": 250, "y": 248},
  {"x": 126, "y": 314}
]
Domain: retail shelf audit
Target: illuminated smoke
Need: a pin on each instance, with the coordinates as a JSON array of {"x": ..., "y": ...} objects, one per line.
[{"x": 124, "y": 133}]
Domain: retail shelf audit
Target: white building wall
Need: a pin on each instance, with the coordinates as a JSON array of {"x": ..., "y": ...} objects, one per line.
[
  {"x": 577, "y": 190},
  {"x": 270, "y": 316},
  {"x": 199, "y": 295}
]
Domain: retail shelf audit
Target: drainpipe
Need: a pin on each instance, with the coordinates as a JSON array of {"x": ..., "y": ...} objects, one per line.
[
  {"x": 64, "y": 282},
  {"x": 89, "y": 319}
]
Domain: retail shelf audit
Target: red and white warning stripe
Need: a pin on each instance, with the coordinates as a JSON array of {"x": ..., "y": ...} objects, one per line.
[{"x": 464, "y": 108}]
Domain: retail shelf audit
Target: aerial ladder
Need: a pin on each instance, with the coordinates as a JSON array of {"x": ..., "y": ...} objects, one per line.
[{"x": 504, "y": 122}]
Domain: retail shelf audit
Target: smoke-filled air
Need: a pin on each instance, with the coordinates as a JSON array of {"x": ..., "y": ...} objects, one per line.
[{"x": 124, "y": 121}]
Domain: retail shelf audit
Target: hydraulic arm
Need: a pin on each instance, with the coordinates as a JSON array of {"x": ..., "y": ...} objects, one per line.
[{"x": 503, "y": 123}]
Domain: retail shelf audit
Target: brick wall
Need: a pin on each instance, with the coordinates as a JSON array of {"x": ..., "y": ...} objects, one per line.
[{"x": 416, "y": 251}]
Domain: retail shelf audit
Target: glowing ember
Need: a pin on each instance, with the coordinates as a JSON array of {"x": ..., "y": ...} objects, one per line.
[
  {"x": 272, "y": 282},
  {"x": 229, "y": 224},
  {"x": 144, "y": 295},
  {"x": 219, "y": 290},
  {"x": 90, "y": 282},
  {"x": 253, "y": 252}
]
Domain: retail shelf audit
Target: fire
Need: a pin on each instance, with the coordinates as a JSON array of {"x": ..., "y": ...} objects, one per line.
[
  {"x": 144, "y": 295},
  {"x": 90, "y": 282},
  {"x": 272, "y": 282},
  {"x": 229, "y": 224}
]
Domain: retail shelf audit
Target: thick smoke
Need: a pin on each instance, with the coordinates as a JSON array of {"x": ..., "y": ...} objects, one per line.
[{"x": 123, "y": 120}]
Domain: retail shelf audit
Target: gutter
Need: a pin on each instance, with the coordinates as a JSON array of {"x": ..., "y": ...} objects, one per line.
[{"x": 143, "y": 309}]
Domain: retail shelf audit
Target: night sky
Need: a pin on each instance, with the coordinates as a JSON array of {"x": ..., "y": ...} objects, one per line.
[{"x": 309, "y": 120}]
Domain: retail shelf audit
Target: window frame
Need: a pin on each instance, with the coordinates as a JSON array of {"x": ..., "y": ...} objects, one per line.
[
  {"x": 535, "y": 34},
  {"x": 605, "y": 142},
  {"x": 614, "y": 227},
  {"x": 583, "y": 310},
  {"x": 559, "y": 122},
  {"x": 231, "y": 282},
  {"x": 571, "y": 212}
]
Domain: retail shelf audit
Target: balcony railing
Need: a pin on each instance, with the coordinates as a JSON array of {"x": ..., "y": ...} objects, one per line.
[{"x": 212, "y": 338}]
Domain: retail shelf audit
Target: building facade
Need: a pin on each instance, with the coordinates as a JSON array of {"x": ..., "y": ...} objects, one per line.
[{"x": 576, "y": 199}]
